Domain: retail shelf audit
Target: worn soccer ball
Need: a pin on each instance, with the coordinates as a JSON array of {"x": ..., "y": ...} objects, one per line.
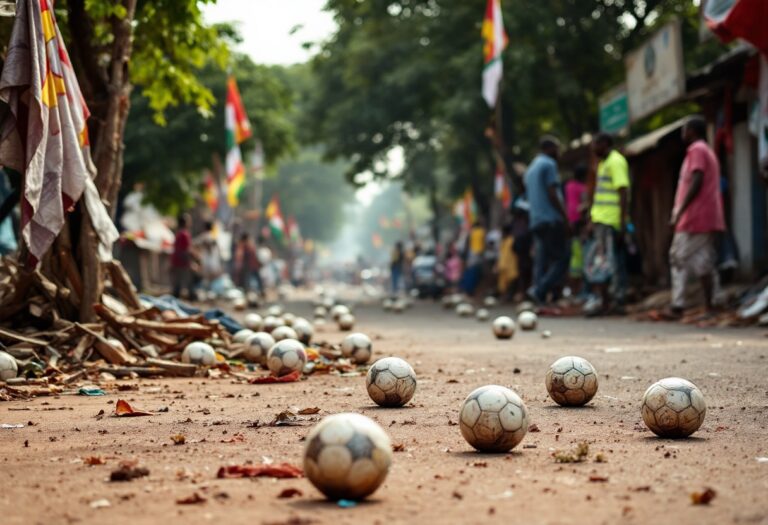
[
  {"x": 271, "y": 322},
  {"x": 387, "y": 304},
  {"x": 482, "y": 314},
  {"x": 399, "y": 306},
  {"x": 9, "y": 368},
  {"x": 275, "y": 310},
  {"x": 527, "y": 320},
  {"x": 525, "y": 306},
  {"x": 288, "y": 318},
  {"x": 571, "y": 381},
  {"x": 286, "y": 356},
  {"x": 493, "y": 418},
  {"x": 304, "y": 330},
  {"x": 258, "y": 347},
  {"x": 357, "y": 347},
  {"x": 490, "y": 301},
  {"x": 346, "y": 322},
  {"x": 241, "y": 335},
  {"x": 320, "y": 311},
  {"x": 673, "y": 408},
  {"x": 284, "y": 332},
  {"x": 253, "y": 321},
  {"x": 391, "y": 382},
  {"x": 339, "y": 310},
  {"x": 199, "y": 353},
  {"x": 465, "y": 309},
  {"x": 503, "y": 327},
  {"x": 347, "y": 456}
]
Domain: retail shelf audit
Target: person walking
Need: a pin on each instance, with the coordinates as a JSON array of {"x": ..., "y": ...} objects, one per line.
[
  {"x": 548, "y": 221},
  {"x": 211, "y": 266},
  {"x": 181, "y": 258},
  {"x": 396, "y": 266},
  {"x": 506, "y": 267},
  {"x": 604, "y": 262},
  {"x": 247, "y": 264},
  {"x": 697, "y": 218}
]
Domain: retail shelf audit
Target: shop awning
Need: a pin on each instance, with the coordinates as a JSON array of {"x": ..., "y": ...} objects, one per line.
[{"x": 652, "y": 139}]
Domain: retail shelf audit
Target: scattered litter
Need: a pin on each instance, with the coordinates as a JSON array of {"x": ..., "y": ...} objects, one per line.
[
  {"x": 704, "y": 497},
  {"x": 91, "y": 391},
  {"x": 346, "y": 503},
  {"x": 398, "y": 447},
  {"x": 6, "y": 425},
  {"x": 280, "y": 471},
  {"x": 123, "y": 409},
  {"x": 128, "y": 471},
  {"x": 598, "y": 479},
  {"x": 194, "y": 499},
  {"x": 533, "y": 428},
  {"x": 713, "y": 374},
  {"x": 179, "y": 439},
  {"x": 94, "y": 460},
  {"x": 265, "y": 380},
  {"x": 236, "y": 438},
  {"x": 613, "y": 350},
  {"x": 504, "y": 495},
  {"x": 546, "y": 334},
  {"x": 100, "y": 503},
  {"x": 628, "y": 378},
  {"x": 762, "y": 459},
  {"x": 290, "y": 493},
  {"x": 309, "y": 411},
  {"x": 578, "y": 455}
]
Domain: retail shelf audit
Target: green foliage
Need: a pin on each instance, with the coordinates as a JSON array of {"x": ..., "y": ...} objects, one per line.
[
  {"x": 170, "y": 159},
  {"x": 312, "y": 191}
]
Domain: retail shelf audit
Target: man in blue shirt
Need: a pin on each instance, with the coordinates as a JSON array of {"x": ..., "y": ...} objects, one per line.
[{"x": 548, "y": 221}]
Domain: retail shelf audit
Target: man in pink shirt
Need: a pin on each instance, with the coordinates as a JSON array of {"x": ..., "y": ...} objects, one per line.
[{"x": 697, "y": 217}]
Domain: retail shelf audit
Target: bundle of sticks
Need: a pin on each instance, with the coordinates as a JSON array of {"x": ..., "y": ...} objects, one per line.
[{"x": 127, "y": 340}]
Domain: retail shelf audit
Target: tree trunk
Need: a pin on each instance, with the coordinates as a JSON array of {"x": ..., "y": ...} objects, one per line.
[{"x": 107, "y": 90}]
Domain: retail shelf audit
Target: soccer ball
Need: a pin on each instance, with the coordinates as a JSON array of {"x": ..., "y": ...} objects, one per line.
[
  {"x": 571, "y": 381},
  {"x": 357, "y": 347},
  {"x": 387, "y": 304},
  {"x": 328, "y": 302},
  {"x": 239, "y": 304},
  {"x": 391, "y": 382},
  {"x": 503, "y": 327},
  {"x": 482, "y": 314},
  {"x": 527, "y": 320},
  {"x": 199, "y": 353},
  {"x": 398, "y": 306},
  {"x": 493, "y": 419},
  {"x": 320, "y": 311},
  {"x": 284, "y": 332},
  {"x": 304, "y": 330},
  {"x": 490, "y": 301},
  {"x": 465, "y": 309},
  {"x": 337, "y": 311},
  {"x": 446, "y": 302},
  {"x": 258, "y": 346},
  {"x": 253, "y": 322},
  {"x": 271, "y": 322},
  {"x": 673, "y": 408},
  {"x": 286, "y": 356},
  {"x": 347, "y": 456},
  {"x": 525, "y": 306},
  {"x": 8, "y": 366},
  {"x": 275, "y": 310},
  {"x": 241, "y": 335},
  {"x": 346, "y": 321},
  {"x": 288, "y": 318}
]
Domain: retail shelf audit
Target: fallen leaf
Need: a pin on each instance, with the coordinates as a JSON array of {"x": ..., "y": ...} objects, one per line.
[
  {"x": 290, "y": 493},
  {"x": 236, "y": 438},
  {"x": 704, "y": 497},
  {"x": 398, "y": 447},
  {"x": 179, "y": 439},
  {"x": 598, "y": 479},
  {"x": 265, "y": 380},
  {"x": 194, "y": 499},
  {"x": 127, "y": 471},
  {"x": 309, "y": 411},
  {"x": 123, "y": 409},
  {"x": 533, "y": 428},
  {"x": 94, "y": 460},
  {"x": 280, "y": 471}
]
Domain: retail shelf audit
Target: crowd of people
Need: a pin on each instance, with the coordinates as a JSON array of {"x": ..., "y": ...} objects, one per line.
[
  {"x": 198, "y": 264},
  {"x": 576, "y": 240}
]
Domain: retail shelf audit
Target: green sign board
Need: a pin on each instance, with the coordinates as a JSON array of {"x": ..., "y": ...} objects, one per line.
[{"x": 614, "y": 111}]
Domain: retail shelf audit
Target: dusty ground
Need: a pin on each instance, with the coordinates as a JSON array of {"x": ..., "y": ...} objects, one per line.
[{"x": 438, "y": 478}]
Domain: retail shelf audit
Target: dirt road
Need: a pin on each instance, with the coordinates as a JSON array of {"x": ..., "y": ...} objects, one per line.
[{"x": 437, "y": 478}]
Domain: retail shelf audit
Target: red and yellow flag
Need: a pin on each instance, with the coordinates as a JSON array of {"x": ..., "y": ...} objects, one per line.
[
  {"x": 238, "y": 130},
  {"x": 211, "y": 192},
  {"x": 275, "y": 218}
]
